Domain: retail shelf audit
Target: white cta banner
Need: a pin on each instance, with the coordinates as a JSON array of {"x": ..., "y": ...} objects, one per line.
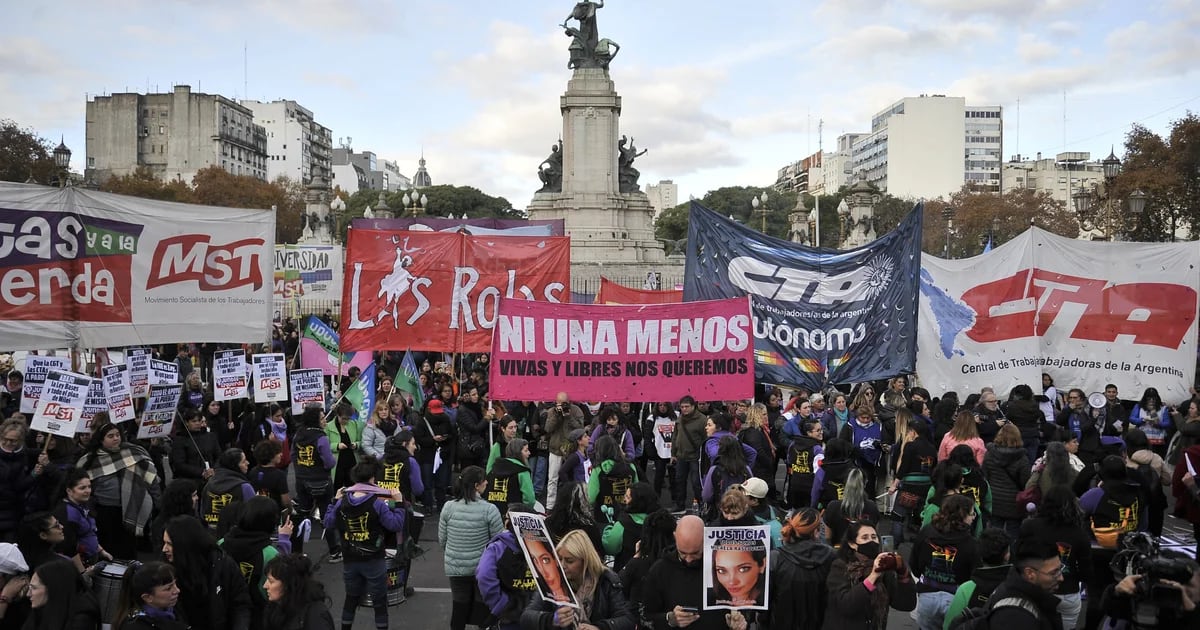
[{"x": 1086, "y": 313}]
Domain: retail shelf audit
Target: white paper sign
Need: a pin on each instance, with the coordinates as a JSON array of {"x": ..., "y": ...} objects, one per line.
[
  {"x": 159, "y": 416},
  {"x": 229, "y": 375},
  {"x": 36, "y": 369},
  {"x": 59, "y": 409},
  {"x": 115, "y": 380},
  {"x": 308, "y": 388},
  {"x": 163, "y": 372},
  {"x": 138, "y": 360},
  {"x": 270, "y": 378},
  {"x": 736, "y": 567},
  {"x": 93, "y": 404}
]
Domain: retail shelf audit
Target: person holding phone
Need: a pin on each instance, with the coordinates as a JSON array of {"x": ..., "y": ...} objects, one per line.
[{"x": 675, "y": 585}]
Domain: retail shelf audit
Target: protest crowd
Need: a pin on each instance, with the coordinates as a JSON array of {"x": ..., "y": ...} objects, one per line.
[{"x": 809, "y": 510}]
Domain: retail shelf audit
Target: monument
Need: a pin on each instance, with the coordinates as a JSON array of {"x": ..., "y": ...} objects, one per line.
[
  {"x": 317, "y": 222},
  {"x": 589, "y": 180}
]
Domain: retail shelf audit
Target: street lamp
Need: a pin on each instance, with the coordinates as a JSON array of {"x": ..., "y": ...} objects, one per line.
[
  {"x": 948, "y": 217},
  {"x": 1137, "y": 205},
  {"x": 62, "y": 159},
  {"x": 416, "y": 204},
  {"x": 756, "y": 202}
]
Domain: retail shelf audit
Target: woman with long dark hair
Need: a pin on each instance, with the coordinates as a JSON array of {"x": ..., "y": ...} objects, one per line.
[
  {"x": 612, "y": 476},
  {"x": 621, "y": 537},
  {"x": 728, "y": 469},
  {"x": 179, "y": 499},
  {"x": 1154, "y": 419},
  {"x": 213, "y": 589},
  {"x": 572, "y": 511},
  {"x": 940, "y": 573},
  {"x": 1060, "y": 520},
  {"x": 149, "y": 595},
  {"x": 865, "y": 582},
  {"x": 125, "y": 488},
  {"x": 226, "y": 490},
  {"x": 658, "y": 535},
  {"x": 249, "y": 544},
  {"x": 38, "y": 536},
  {"x": 465, "y": 526},
  {"x": 296, "y": 600},
  {"x": 60, "y": 600}
]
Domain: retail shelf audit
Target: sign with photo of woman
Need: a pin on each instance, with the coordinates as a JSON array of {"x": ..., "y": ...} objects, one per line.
[
  {"x": 735, "y": 567},
  {"x": 543, "y": 560}
]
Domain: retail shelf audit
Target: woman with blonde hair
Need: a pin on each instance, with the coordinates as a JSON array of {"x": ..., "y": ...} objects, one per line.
[
  {"x": 966, "y": 432},
  {"x": 756, "y": 433},
  {"x": 376, "y": 432},
  {"x": 597, "y": 590}
]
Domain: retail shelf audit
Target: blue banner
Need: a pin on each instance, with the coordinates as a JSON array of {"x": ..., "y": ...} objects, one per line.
[{"x": 821, "y": 316}]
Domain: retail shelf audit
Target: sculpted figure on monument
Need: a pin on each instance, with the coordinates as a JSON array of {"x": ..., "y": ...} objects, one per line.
[
  {"x": 586, "y": 38},
  {"x": 627, "y": 175},
  {"x": 550, "y": 170}
]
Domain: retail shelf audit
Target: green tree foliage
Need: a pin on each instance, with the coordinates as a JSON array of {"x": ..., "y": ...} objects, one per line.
[
  {"x": 143, "y": 183},
  {"x": 974, "y": 214},
  {"x": 1167, "y": 169},
  {"x": 736, "y": 202},
  {"x": 442, "y": 201},
  {"x": 24, "y": 155}
]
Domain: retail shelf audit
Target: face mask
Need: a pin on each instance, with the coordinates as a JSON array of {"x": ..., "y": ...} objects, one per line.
[{"x": 869, "y": 549}]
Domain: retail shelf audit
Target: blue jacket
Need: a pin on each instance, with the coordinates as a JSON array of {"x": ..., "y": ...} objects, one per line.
[
  {"x": 1155, "y": 431},
  {"x": 866, "y": 441},
  {"x": 713, "y": 442}
]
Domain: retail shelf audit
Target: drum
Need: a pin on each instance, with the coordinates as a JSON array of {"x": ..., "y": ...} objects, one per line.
[
  {"x": 395, "y": 589},
  {"x": 106, "y": 586}
]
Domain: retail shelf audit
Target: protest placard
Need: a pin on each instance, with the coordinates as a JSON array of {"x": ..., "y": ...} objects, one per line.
[
  {"x": 270, "y": 378},
  {"x": 736, "y": 567},
  {"x": 59, "y": 407},
  {"x": 117, "y": 393},
  {"x": 93, "y": 403},
  {"x": 163, "y": 372},
  {"x": 307, "y": 388},
  {"x": 542, "y": 558},
  {"x": 229, "y": 375},
  {"x": 36, "y": 369},
  {"x": 161, "y": 407},
  {"x": 138, "y": 360}
]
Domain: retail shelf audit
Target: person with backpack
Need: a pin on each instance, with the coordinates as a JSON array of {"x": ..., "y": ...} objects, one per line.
[
  {"x": 249, "y": 544},
  {"x": 804, "y": 455},
  {"x": 1059, "y": 520},
  {"x": 829, "y": 482},
  {"x": 944, "y": 554},
  {"x": 764, "y": 513},
  {"x": 1026, "y": 598},
  {"x": 729, "y": 468},
  {"x": 1152, "y": 472},
  {"x": 611, "y": 479},
  {"x": 994, "y": 547},
  {"x": 799, "y": 570},
  {"x": 620, "y": 538}
]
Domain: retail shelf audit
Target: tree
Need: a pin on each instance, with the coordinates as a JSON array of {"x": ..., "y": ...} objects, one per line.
[
  {"x": 143, "y": 183},
  {"x": 974, "y": 212},
  {"x": 441, "y": 201},
  {"x": 1167, "y": 170},
  {"x": 735, "y": 202},
  {"x": 24, "y": 155}
]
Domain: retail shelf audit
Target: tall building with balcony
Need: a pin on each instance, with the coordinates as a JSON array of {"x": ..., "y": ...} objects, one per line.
[
  {"x": 298, "y": 147},
  {"x": 174, "y": 135},
  {"x": 837, "y": 166},
  {"x": 663, "y": 195},
  {"x": 930, "y": 146},
  {"x": 365, "y": 170},
  {"x": 801, "y": 176}
]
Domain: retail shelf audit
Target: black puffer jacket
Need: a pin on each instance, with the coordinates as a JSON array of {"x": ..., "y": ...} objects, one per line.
[
  {"x": 1007, "y": 470},
  {"x": 16, "y": 480},
  {"x": 610, "y": 609},
  {"x": 1026, "y": 416}
]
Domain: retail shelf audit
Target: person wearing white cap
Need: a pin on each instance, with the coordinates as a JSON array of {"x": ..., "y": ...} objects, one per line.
[{"x": 763, "y": 511}]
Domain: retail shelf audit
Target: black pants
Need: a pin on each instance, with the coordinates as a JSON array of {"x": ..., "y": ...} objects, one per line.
[
  {"x": 467, "y": 606},
  {"x": 112, "y": 535},
  {"x": 312, "y": 495}
]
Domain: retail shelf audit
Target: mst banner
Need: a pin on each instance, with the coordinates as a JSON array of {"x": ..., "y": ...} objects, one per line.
[
  {"x": 91, "y": 269},
  {"x": 622, "y": 353},
  {"x": 820, "y": 316},
  {"x": 439, "y": 292},
  {"x": 1086, "y": 313}
]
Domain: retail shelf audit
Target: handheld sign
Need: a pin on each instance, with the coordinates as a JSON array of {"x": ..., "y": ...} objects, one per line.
[
  {"x": 229, "y": 375},
  {"x": 139, "y": 371},
  {"x": 542, "y": 558},
  {"x": 36, "y": 370},
  {"x": 159, "y": 416},
  {"x": 270, "y": 380},
  {"x": 163, "y": 372},
  {"x": 94, "y": 403},
  {"x": 117, "y": 392},
  {"x": 59, "y": 408},
  {"x": 736, "y": 567},
  {"x": 308, "y": 388}
]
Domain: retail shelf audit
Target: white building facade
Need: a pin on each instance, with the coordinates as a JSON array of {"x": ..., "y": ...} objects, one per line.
[
  {"x": 298, "y": 147},
  {"x": 663, "y": 195},
  {"x": 1060, "y": 175}
]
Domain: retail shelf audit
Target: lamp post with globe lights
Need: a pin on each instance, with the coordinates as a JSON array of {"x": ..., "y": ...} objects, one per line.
[
  {"x": 416, "y": 205},
  {"x": 62, "y": 161},
  {"x": 761, "y": 200},
  {"x": 948, "y": 217}
]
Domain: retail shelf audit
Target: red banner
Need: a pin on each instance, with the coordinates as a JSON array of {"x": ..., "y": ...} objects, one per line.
[
  {"x": 439, "y": 292},
  {"x": 623, "y": 353},
  {"x": 612, "y": 293}
]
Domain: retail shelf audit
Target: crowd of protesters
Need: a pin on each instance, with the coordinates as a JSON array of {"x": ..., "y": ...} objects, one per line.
[{"x": 1019, "y": 504}]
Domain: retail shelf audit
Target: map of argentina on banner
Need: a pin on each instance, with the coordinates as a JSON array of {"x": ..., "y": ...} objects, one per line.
[
  {"x": 821, "y": 316},
  {"x": 1086, "y": 313}
]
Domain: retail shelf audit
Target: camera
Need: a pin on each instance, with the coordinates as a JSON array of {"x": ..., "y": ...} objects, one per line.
[
  {"x": 889, "y": 562},
  {"x": 1141, "y": 556}
]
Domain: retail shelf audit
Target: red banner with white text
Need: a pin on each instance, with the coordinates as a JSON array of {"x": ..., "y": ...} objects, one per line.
[
  {"x": 612, "y": 293},
  {"x": 623, "y": 353},
  {"x": 439, "y": 292}
]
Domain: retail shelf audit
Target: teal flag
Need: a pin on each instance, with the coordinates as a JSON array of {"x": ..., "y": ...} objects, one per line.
[
  {"x": 362, "y": 395},
  {"x": 408, "y": 380}
]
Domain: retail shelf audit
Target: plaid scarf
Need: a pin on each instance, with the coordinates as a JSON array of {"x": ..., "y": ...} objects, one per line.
[{"x": 136, "y": 474}]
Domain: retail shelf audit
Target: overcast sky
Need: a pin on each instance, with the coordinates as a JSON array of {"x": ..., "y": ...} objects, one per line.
[{"x": 721, "y": 93}]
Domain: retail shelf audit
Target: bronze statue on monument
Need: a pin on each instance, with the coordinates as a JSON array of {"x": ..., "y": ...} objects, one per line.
[{"x": 587, "y": 50}]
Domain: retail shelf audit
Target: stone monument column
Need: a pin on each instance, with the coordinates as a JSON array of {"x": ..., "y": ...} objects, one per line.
[
  {"x": 317, "y": 220},
  {"x": 590, "y": 182}
]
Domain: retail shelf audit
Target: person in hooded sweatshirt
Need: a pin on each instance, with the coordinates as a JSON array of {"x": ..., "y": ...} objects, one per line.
[
  {"x": 804, "y": 456},
  {"x": 313, "y": 459},
  {"x": 249, "y": 544},
  {"x": 1060, "y": 521},
  {"x": 944, "y": 554},
  {"x": 799, "y": 569},
  {"x": 621, "y": 537},
  {"x": 716, "y": 428},
  {"x": 994, "y": 547},
  {"x": 829, "y": 483},
  {"x": 611, "y": 479},
  {"x": 510, "y": 480},
  {"x": 676, "y": 582},
  {"x": 227, "y": 486},
  {"x": 608, "y": 422},
  {"x": 1023, "y": 412},
  {"x": 503, "y": 576}
]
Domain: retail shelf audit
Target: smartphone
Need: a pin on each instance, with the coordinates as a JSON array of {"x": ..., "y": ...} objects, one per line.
[
  {"x": 284, "y": 515},
  {"x": 689, "y": 609},
  {"x": 887, "y": 544}
]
